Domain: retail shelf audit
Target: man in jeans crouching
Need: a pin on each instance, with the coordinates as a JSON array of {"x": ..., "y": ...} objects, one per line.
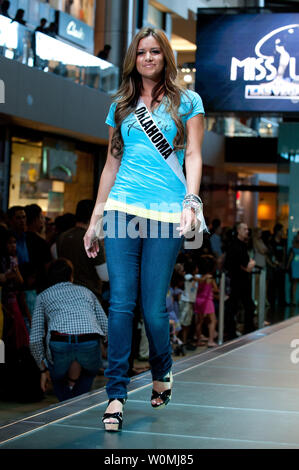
[{"x": 67, "y": 324}]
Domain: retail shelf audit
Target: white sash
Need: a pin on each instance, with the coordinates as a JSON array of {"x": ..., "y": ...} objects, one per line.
[{"x": 159, "y": 141}]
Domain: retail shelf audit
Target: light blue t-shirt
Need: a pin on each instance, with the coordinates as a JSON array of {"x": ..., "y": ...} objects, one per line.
[{"x": 145, "y": 185}]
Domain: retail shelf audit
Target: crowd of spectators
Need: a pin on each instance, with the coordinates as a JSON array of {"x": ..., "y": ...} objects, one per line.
[
  {"x": 29, "y": 245},
  {"x": 44, "y": 313},
  {"x": 240, "y": 252}
]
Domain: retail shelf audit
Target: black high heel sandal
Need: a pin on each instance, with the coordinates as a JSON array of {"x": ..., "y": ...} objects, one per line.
[
  {"x": 165, "y": 396},
  {"x": 116, "y": 426}
]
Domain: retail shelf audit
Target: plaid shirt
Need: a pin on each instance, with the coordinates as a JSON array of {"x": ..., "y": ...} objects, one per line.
[{"x": 66, "y": 308}]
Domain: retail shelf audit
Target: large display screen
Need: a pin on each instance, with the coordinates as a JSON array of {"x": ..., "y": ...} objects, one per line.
[{"x": 248, "y": 62}]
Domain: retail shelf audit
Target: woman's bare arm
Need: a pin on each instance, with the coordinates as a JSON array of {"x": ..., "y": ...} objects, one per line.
[
  {"x": 193, "y": 164},
  {"x": 106, "y": 182}
]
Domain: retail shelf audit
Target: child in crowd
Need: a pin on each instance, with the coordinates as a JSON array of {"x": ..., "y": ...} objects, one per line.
[
  {"x": 177, "y": 286},
  {"x": 187, "y": 300},
  {"x": 204, "y": 305},
  {"x": 174, "y": 324},
  {"x": 67, "y": 325}
]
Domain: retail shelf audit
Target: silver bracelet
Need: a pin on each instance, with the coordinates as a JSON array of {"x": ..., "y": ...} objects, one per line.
[
  {"x": 194, "y": 197},
  {"x": 192, "y": 201},
  {"x": 190, "y": 204}
]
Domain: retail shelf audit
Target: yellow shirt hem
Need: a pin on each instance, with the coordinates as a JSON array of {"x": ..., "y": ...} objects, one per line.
[{"x": 114, "y": 205}]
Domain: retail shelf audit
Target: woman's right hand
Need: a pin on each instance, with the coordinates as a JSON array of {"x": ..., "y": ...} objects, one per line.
[{"x": 91, "y": 242}]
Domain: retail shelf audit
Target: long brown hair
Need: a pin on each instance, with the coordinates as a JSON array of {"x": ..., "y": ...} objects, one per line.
[{"x": 129, "y": 91}]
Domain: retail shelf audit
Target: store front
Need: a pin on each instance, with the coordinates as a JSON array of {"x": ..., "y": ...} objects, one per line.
[{"x": 51, "y": 171}]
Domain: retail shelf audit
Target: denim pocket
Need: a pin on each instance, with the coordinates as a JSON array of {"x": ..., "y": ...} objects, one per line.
[
  {"x": 88, "y": 354},
  {"x": 61, "y": 356}
]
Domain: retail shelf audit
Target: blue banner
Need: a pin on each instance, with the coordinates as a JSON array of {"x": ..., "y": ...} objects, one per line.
[{"x": 248, "y": 62}]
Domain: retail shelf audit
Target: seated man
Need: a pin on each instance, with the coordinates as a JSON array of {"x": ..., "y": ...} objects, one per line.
[{"x": 67, "y": 324}]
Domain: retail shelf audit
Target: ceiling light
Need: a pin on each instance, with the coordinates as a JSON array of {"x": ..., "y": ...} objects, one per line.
[{"x": 188, "y": 78}]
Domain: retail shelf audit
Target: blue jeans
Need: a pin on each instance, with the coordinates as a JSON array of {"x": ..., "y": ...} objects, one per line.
[
  {"x": 87, "y": 354},
  {"x": 138, "y": 262}
]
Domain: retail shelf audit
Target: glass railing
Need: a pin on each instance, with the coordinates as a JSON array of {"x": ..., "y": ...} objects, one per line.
[{"x": 51, "y": 55}]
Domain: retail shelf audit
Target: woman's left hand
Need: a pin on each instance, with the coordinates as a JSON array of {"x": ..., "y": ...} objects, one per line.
[{"x": 188, "y": 221}]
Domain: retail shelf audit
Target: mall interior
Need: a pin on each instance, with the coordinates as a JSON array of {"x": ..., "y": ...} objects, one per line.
[
  {"x": 55, "y": 107},
  {"x": 242, "y": 57}
]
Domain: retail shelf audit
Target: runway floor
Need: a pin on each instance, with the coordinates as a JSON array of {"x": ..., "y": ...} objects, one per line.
[{"x": 241, "y": 395}]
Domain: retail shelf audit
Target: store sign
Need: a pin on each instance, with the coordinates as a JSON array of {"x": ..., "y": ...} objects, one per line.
[
  {"x": 249, "y": 62},
  {"x": 75, "y": 31}
]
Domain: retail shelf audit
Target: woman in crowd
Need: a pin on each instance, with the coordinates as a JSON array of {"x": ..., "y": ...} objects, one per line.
[{"x": 15, "y": 332}]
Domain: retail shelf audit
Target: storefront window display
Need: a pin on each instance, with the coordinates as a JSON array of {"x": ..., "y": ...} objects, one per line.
[{"x": 51, "y": 173}]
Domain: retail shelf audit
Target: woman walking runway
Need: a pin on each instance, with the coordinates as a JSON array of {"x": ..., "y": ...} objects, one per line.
[{"x": 147, "y": 207}]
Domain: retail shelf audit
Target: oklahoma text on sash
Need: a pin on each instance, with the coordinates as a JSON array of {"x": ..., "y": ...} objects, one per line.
[{"x": 153, "y": 132}]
